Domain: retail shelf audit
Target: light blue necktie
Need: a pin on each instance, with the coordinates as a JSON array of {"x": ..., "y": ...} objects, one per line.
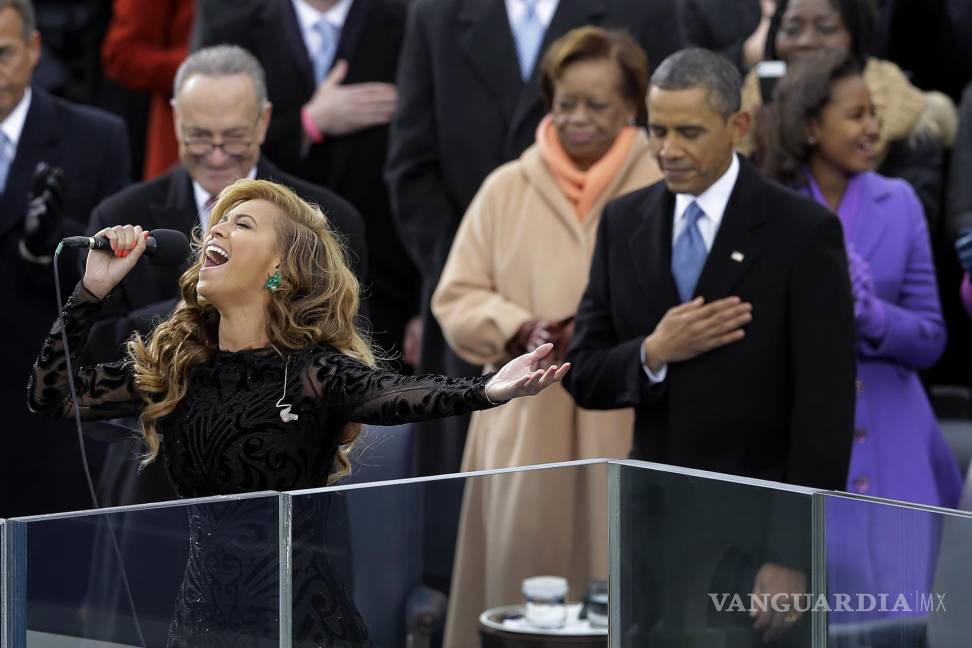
[
  {"x": 5, "y": 159},
  {"x": 689, "y": 253},
  {"x": 528, "y": 34},
  {"x": 324, "y": 56}
]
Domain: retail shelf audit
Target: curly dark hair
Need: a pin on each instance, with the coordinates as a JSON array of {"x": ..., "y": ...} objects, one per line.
[
  {"x": 782, "y": 149},
  {"x": 858, "y": 16}
]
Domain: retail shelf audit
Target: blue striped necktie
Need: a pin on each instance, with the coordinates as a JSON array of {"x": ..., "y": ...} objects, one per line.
[
  {"x": 324, "y": 56},
  {"x": 6, "y": 158},
  {"x": 528, "y": 34},
  {"x": 689, "y": 253}
]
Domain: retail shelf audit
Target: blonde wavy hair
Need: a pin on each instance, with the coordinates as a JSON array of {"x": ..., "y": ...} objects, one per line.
[{"x": 317, "y": 302}]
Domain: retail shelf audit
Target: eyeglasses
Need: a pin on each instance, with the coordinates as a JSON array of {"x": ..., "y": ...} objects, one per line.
[
  {"x": 199, "y": 142},
  {"x": 202, "y": 146}
]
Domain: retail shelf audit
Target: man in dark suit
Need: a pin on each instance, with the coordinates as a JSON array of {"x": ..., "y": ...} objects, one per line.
[
  {"x": 470, "y": 101},
  {"x": 221, "y": 116},
  {"x": 738, "y": 356},
  {"x": 40, "y": 471},
  {"x": 330, "y": 68},
  {"x": 719, "y": 307}
]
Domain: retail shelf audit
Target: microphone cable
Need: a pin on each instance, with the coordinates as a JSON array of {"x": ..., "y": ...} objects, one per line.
[{"x": 84, "y": 454}]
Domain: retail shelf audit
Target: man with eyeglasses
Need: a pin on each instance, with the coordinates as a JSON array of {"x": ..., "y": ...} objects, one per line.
[
  {"x": 221, "y": 117},
  {"x": 331, "y": 67}
]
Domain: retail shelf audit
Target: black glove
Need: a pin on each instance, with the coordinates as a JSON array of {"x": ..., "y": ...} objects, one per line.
[{"x": 42, "y": 225}]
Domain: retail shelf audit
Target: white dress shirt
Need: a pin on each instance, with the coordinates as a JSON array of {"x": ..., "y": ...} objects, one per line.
[
  {"x": 713, "y": 202},
  {"x": 202, "y": 197},
  {"x": 308, "y": 17},
  {"x": 545, "y": 11},
  {"x": 13, "y": 125}
]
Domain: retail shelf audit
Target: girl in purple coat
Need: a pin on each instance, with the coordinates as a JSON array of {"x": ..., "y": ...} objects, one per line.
[{"x": 819, "y": 137}]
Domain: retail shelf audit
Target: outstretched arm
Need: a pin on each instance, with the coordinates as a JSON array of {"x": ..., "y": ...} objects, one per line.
[{"x": 379, "y": 397}]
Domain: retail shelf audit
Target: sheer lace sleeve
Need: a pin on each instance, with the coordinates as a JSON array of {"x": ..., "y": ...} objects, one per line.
[
  {"x": 104, "y": 390},
  {"x": 378, "y": 397}
]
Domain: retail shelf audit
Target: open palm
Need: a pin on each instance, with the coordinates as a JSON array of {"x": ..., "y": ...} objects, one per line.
[{"x": 522, "y": 376}]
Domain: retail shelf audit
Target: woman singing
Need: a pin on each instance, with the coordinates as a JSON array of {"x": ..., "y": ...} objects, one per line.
[{"x": 259, "y": 380}]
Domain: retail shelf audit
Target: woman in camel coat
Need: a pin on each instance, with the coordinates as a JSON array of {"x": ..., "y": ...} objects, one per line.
[{"x": 514, "y": 278}]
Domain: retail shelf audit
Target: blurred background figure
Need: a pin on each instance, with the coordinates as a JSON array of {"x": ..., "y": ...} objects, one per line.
[
  {"x": 331, "y": 68},
  {"x": 822, "y": 136},
  {"x": 958, "y": 212},
  {"x": 737, "y": 29},
  {"x": 513, "y": 280},
  {"x": 915, "y": 128},
  {"x": 964, "y": 248},
  {"x": 929, "y": 39},
  {"x": 958, "y": 215},
  {"x": 70, "y": 66},
  {"x": 468, "y": 102},
  {"x": 916, "y": 131},
  {"x": 145, "y": 43},
  {"x": 57, "y": 161}
]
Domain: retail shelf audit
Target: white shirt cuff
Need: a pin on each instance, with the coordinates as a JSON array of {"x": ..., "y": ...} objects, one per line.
[{"x": 652, "y": 376}]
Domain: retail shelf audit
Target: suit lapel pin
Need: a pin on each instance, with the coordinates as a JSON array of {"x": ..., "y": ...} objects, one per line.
[{"x": 737, "y": 256}]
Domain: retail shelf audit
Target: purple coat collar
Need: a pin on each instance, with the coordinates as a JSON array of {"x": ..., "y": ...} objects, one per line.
[{"x": 860, "y": 209}]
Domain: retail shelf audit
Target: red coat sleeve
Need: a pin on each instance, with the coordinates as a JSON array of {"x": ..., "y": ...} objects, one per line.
[{"x": 146, "y": 42}]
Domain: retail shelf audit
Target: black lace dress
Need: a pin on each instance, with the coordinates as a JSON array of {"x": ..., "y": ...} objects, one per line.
[{"x": 226, "y": 437}]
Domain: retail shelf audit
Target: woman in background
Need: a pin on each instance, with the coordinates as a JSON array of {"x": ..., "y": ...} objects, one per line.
[
  {"x": 914, "y": 127},
  {"x": 821, "y": 136},
  {"x": 513, "y": 280}
]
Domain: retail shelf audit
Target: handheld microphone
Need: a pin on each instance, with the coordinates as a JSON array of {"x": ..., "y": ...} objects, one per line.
[{"x": 166, "y": 247}]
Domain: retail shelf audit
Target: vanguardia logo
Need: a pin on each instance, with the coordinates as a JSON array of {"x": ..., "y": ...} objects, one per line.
[{"x": 915, "y": 602}]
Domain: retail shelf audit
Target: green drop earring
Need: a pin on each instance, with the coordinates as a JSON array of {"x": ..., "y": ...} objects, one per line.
[{"x": 273, "y": 282}]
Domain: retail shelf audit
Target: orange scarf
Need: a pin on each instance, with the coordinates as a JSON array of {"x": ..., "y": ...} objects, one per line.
[{"x": 582, "y": 188}]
